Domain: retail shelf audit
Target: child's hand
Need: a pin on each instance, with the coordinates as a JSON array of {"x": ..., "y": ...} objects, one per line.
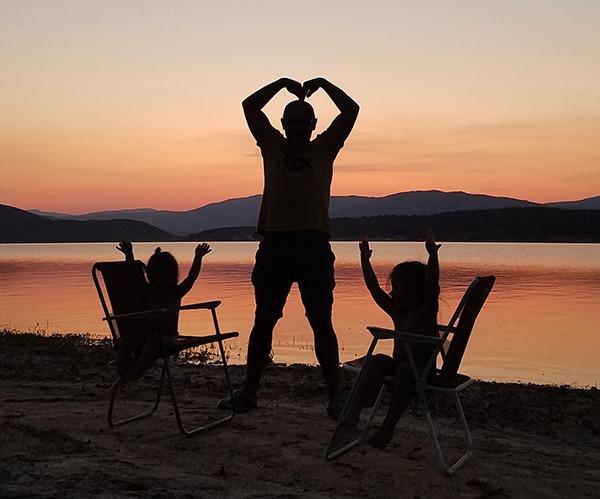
[
  {"x": 430, "y": 244},
  {"x": 125, "y": 247},
  {"x": 202, "y": 249},
  {"x": 365, "y": 251}
]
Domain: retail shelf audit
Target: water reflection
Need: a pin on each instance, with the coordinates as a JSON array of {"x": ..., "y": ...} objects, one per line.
[{"x": 539, "y": 324}]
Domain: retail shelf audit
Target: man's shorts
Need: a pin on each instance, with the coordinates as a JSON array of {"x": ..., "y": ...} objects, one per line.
[{"x": 281, "y": 262}]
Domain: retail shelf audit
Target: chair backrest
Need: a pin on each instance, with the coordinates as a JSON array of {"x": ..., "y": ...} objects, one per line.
[
  {"x": 123, "y": 296},
  {"x": 466, "y": 313}
]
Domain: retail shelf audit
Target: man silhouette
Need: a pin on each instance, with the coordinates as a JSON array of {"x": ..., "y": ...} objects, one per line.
[{"x": 294, "y": 223}]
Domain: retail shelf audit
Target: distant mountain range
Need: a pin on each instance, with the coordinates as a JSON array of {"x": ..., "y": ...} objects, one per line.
[
  {"x": 456, "y": 216},
  {"x": 241, "y": 212},
  {"x": 527, "y": 224},
  {"x": 21, "y": 226}
]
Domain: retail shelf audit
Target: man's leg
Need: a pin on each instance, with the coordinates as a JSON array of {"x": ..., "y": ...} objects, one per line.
[
  {"x": 259, "y": 350},
  {"x": 326, "y": 350},
  {"x": 316, "y": 282},
  {"x": 272, "y": 284}
]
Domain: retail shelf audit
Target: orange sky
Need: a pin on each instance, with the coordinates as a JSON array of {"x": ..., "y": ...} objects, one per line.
[{"x": 137, "y": 104}]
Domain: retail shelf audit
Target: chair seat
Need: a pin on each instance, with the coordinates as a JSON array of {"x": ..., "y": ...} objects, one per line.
[
  {"x": 353, "y": 366},
  {"x": 434, "y": 381},
  {"x": 459, "y": 382},
  {"x": 185, "y": 342}
]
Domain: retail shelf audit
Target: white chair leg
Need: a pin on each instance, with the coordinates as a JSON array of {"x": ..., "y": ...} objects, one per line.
[
  {"x": 469, "y": 440},
  {"x": 449, "y": 469},
  {"x": 376, "y": 405}
]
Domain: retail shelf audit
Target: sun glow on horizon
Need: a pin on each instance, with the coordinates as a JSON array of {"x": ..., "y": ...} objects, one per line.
[{"x": 110, "y": 107}]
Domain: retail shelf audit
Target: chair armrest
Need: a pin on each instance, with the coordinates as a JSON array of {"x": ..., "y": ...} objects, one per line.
[
  {"x": 208, "y": 305},
  {"x": 143, "y": 313},
  {"x": 383, "y": 334}
]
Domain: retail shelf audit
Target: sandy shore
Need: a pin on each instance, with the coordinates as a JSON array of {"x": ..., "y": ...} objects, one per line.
[{"x": 530, "y": 441}]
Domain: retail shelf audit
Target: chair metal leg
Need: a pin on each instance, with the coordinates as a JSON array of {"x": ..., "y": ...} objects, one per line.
[
  {"x": 373, "y": 411},
  {"x": 145, "y": 414},
  {"x": 224, "y": 360},
  {"x": 468, "y": 438},
  {"x": 449, "y": 469},
  {"x": 182, "y": 428},
  {"x": 331, "y": 454}
]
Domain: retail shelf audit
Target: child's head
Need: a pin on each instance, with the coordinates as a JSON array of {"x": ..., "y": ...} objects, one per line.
[
  {"x": 162, "y": 269},
  {"x": 408, "y": 284}
]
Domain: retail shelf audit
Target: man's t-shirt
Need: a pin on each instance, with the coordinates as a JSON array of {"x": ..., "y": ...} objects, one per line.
[{"x": 297, "y": 183}]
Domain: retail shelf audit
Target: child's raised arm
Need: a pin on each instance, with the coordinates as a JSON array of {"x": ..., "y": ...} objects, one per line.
[
  {"x": 136, "y": 272},
  {"x": 379, "y": 295},
  {"x": 432, "y": 277},
  {"x": 126, "y": 248},
  {"x": 184, "y": 287}
]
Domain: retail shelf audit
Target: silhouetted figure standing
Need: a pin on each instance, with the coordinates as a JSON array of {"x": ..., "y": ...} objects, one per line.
[{"x": 294, "y": 222}]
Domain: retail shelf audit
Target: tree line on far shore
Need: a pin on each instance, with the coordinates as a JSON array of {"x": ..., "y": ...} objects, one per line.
[{"x": 502, "y": 225}]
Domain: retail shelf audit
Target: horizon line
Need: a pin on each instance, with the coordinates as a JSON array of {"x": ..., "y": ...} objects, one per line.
[{"x": 332, "y": 196}]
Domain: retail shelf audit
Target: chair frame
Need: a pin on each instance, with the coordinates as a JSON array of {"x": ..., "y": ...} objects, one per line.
[
  {"x": 187, "y": 342},
  {"x": 422, "y": 382}
]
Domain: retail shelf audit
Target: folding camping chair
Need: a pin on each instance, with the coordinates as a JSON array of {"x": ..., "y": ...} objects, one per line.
[
  {"x": 445, "y": 380},
  {"x": 125, "y": 316}
]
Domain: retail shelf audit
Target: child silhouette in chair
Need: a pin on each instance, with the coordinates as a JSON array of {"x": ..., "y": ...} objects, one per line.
[
  {"x": 412, "y": 304},
  {"x": 160, "y": 290}
]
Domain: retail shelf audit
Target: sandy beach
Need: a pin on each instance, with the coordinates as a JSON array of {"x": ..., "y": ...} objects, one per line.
[{"x": 530, "y": 441}]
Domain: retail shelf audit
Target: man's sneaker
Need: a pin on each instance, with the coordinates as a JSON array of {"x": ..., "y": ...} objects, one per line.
[{"x": 241, "y": 403}]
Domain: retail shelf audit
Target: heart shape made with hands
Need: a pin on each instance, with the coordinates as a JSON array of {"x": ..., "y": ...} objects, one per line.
[
  {"x": 309, "y": 87},
  {"x": 304, "y": 90}
]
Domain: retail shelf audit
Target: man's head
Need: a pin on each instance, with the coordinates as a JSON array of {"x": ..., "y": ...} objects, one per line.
[{"x": 299, "y": 120}]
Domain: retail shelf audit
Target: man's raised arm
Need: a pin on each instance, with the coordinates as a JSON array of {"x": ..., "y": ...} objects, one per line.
[
  {"x": 252, "y": 105},
  {"x": 344, "y": 122}
]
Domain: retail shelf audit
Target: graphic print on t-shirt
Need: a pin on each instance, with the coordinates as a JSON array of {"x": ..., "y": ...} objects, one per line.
[{"x": 296, "y": 161}]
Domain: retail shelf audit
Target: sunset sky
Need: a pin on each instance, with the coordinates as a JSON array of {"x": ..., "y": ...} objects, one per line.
[{"x": 123, "y": 104}]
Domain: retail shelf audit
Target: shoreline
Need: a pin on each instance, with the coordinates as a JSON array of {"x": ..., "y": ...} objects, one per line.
[
  {"x": 91, "y": 338},
  {"x": 529, "y": 440}
]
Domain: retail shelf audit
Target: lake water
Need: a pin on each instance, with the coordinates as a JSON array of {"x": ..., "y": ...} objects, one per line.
[{"x": 541, "y": 322}]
